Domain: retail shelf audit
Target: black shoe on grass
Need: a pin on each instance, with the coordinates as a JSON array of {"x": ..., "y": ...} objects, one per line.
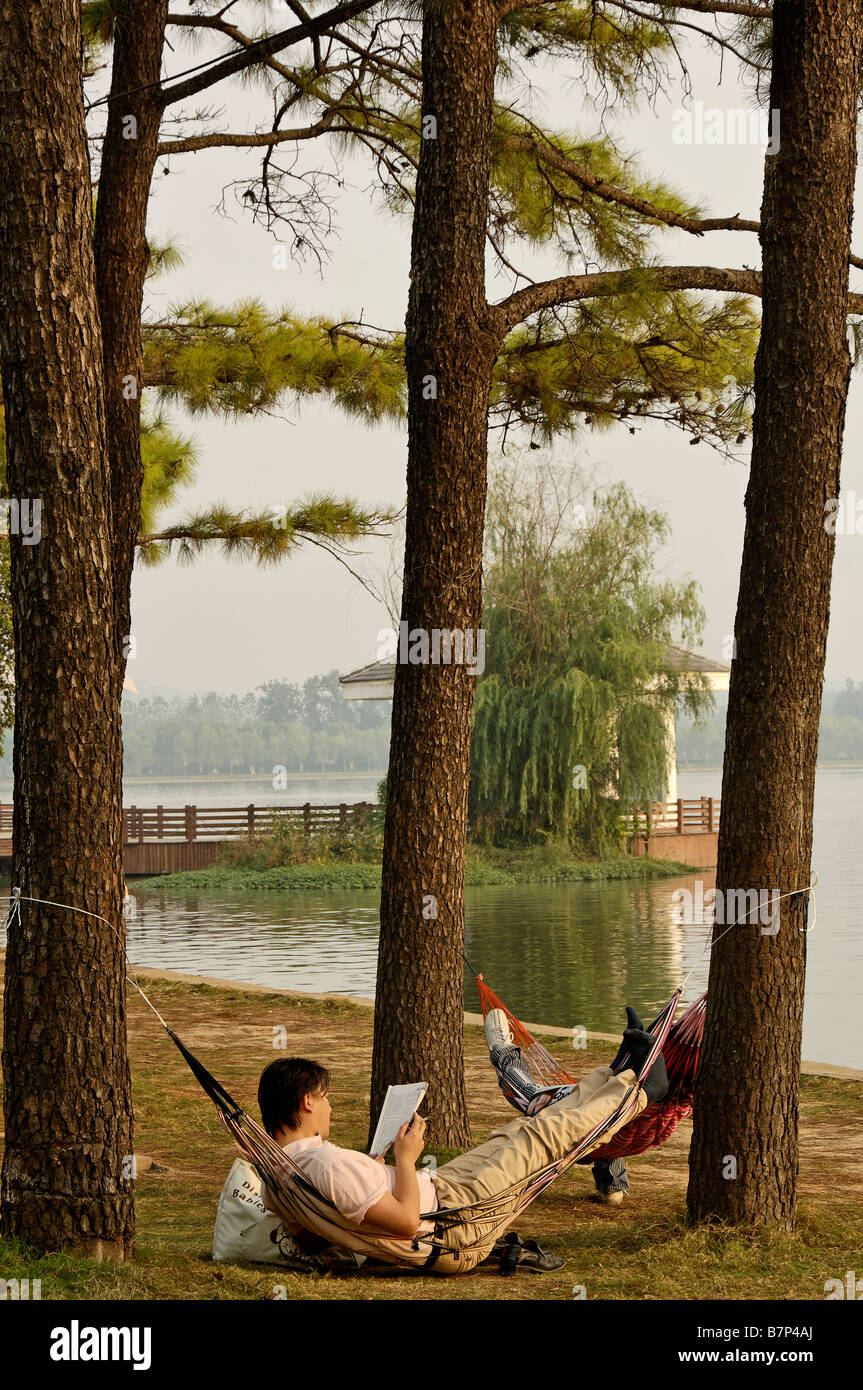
[{"x": 517, "y": 1255}]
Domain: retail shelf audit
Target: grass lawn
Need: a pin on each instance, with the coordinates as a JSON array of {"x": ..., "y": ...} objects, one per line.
[{"x": 640, "y": 1250}]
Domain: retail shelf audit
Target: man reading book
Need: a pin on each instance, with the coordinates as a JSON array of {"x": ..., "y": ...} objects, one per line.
[{"x": 293, "y": 1095}]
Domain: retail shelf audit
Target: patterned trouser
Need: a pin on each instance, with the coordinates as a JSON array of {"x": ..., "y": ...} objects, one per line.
[{"x": 609, "y": 1174}]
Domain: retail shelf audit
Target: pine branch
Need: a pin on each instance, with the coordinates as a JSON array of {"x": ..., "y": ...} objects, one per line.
[
  {"x": 670, "y": 357},
  {"x": 567, "y": 289},
  {"x": 251, "y": 140},
  {"x": 243, "y": 360},
  {"x": 268, "y": 536},
  {"x": 546, "y": 153},
  {"x": 742, "y": 8},
  {"x": 260, "y": 49},
  {"x": 712, "y": 36},
  {"x": 170, "y": 462}
]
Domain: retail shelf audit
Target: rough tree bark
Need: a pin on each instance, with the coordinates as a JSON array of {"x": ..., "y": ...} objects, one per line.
[
  {"x": 122, "y": 258},
  {"x": 66, "y": 1178},
  {"x": 451, "y": 348},
  {"x": 747, "y": 1097}
]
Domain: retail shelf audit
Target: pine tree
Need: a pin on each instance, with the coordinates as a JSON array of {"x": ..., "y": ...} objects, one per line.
[
  {"x": 589, "y": 202},
  {"x": 66, "y": 1179},
  {"x": 744, "y": 1160}
]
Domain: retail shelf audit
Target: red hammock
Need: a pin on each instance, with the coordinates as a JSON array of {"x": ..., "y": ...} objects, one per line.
[{"x": 657, "y": 1122}]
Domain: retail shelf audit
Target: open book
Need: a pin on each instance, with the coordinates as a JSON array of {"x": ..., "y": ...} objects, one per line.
[{"x": 399, "y": 1106}]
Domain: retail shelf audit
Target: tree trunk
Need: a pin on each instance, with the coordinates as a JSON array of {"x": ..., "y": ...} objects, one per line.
[
  {"x": 66, "y": 1179},
  {"x": 746, "y": 1109},
  {"x": 450, "y": 352},
  {"x": 122, "y": 259}
]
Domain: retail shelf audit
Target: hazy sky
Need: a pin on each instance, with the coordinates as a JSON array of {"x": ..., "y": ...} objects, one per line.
[{"x": 224, "y": 626}]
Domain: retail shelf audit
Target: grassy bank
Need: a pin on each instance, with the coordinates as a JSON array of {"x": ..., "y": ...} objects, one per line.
[
  {"x": 640, "y": 1250},
  {"x": 484, "y": 866}
]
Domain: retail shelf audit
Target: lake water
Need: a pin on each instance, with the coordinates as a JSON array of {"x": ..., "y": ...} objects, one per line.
[
  {"x": 242, "y": 791},
  {"x": 563, "y": 954}
]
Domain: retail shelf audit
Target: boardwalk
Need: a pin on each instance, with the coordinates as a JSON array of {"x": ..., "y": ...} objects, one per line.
[{"x": 166, "y": 839}]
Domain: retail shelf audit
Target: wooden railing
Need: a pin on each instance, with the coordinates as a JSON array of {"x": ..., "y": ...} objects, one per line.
[
  {"x": 142, "y": 824},
  {"x": 189, "y": 823},
  {"x": 682, "y": 817}
]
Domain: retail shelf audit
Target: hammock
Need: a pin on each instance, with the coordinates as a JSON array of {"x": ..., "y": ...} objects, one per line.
[
  {"x": 657, "y": 1122},
  {"x": 298, "y": 1202}
]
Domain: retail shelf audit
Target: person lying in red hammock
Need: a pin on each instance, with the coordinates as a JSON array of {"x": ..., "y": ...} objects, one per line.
[
  {"x": 293, "y": 1095},
  {"x": 524, "y": 1093}
]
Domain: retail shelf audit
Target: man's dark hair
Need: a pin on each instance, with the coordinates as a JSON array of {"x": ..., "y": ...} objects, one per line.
[{"x": 282, "y": 1087}]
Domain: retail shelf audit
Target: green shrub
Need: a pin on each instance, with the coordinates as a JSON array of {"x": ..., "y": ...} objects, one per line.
[{"x": 360, "y": 841}]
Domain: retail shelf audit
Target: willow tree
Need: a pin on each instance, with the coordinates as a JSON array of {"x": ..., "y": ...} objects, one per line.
[{"x": 570, "y": 716}]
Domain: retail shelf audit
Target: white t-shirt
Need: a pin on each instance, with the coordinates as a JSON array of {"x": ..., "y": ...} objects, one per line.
[{"x": 353, "y": 1181}]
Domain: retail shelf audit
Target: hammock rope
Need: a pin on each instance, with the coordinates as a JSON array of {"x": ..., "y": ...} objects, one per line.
[
  {"x": 285, "y": 1179},
  {"x": 490, "y": 1215}
]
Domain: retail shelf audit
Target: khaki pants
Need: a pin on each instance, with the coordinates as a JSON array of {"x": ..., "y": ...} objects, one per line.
[{"x": 518, "y": 1149}]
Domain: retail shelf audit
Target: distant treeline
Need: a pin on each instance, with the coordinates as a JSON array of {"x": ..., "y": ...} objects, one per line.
[
  {"x": 309, "y": 728},
  {"x": 840, "y": 737},
  {"x": 302, "y": 728}
]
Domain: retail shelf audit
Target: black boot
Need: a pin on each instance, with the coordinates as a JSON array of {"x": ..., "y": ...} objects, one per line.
[{"x": 637, "y": 1044}]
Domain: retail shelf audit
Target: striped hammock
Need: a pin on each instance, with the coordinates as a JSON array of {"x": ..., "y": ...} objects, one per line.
[{"x": 298, "y": 1202}]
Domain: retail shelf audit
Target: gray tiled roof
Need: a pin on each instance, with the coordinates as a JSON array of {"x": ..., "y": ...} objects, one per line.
[
  {"x": 682, "y": 660},
  {"x": 677, "y": 657},
  {"x": 375, "y": 671}
]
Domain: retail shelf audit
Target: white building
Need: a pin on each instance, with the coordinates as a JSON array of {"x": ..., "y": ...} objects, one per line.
[{"x": 375, "y": 682}]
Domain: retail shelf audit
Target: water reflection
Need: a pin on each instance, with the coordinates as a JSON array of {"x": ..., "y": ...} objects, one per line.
[
  {"x": 572, "y": 954},
  {"x": 560, "y": 953},
  {"x": 323, "y": 942},
  {"x": 564, "y": 954}
]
